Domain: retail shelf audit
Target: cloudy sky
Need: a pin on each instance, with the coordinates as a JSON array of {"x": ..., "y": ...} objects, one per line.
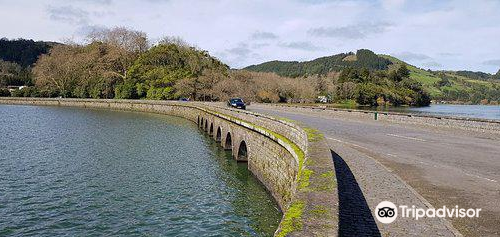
[{"x": 429, "y": 34}]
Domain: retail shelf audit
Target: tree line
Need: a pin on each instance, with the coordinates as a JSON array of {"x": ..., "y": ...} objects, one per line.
[
  {"x": 363, "y": 58},
  {"x": 23, "y": 52},
  {"x": 352, "y": 85},
  {"x": 120, "y": 63},
  {"x": 474, "y": 93},
  {"x": 123, "y": 64},
  {"x": 478, "y": 75}
]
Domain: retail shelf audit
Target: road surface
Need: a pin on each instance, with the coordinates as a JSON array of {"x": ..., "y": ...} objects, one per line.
[{"x": 411, "y": 165}]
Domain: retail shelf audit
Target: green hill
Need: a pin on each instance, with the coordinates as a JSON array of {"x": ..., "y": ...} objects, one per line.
[
  {"x": 23, "y": 52},
  {"x": 426, "y": 78},
  {"x": 362, "y": 59},
  {"x": 16, "y": 59},
  {"x": 459, "y": 86}
]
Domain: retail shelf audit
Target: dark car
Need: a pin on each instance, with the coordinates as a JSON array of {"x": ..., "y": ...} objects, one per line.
[{"x": 236, "y": 103}]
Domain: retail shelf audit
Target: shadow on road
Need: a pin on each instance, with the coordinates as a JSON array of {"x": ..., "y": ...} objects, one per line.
[{"x": 355, "y": 217}]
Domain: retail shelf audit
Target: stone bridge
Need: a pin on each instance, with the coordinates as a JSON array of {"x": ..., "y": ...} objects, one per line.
[
  {"x": 292, "y": 162},
  {"x": 221, "y": 132}
]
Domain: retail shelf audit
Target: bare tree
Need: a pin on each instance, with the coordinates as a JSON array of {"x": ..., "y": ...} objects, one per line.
[
  {"x": 239, "y": 84},
  {"x": 177, "y": 40},
  {"x": 58, "y": 70},
  {"x": 129, "y": 40}
]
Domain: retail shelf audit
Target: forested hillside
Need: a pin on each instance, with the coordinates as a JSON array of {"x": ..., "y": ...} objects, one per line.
[
  {"x": 23, "y": 52},
  {"x": 455, "y": 86},
  {"x": 362, "y": 59},
  {"x": 16, "y": 59},
  {"x": 122, "y": 63},
  {"x": 460, "y": 86}
]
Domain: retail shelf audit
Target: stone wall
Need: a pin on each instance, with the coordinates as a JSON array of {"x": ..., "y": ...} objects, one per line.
[
  {"x": 269, "y": 161},
  {"x": 280, "y": 125},
  {"x": 468, "y": 124},
  {"x": 278, "y": 153}
]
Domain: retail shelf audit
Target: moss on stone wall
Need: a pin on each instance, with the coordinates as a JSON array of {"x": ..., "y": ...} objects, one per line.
[
  {"x": 292, "y": 221},
  {"x": 320, "y": 211},
  {"x": 313, "y": 135},
  {"x": 304, "y": 179}
]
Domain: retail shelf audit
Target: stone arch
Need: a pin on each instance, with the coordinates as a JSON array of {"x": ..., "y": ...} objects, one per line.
[
  {"x": 202, "y": 122},
  {"x": 211, "y": 132},
  {"x": 206, "y": 125},
  {"x": 242, "y": 152},
  {"x": 218, "y": 135},
  {"x": 228, "y": 145}
]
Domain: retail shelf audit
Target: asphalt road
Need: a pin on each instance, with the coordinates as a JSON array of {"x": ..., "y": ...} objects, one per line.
[{"x": 444, "y": 167}]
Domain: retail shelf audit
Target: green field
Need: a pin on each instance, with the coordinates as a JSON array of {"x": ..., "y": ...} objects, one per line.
[{"x": 460, "y": 85}]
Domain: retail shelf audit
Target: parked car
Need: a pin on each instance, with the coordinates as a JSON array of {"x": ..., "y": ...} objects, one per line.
[{"x": 236, "y": 103}]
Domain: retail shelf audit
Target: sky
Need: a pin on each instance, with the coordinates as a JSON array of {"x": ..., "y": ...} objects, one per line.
[{"x": 438, "y": 35}]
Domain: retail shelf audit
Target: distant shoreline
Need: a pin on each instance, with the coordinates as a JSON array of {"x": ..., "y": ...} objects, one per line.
[
  {"x": 460, "y": 103},
  {"x": 409, "y": 114}
]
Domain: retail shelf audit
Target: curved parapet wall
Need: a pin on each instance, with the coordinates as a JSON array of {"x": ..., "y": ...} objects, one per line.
[{"x": 292, "y": 162}]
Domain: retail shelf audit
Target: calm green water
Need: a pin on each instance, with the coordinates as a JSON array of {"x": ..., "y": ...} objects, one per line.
[{"x": 82, "y": 172}]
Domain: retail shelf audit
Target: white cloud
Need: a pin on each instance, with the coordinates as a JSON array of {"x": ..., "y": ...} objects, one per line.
[
  {"x": 261, "y": 35},
  {"x": 494, "y": 62},
  {"x": 432, "y": 65},
  {"x": 94, "y": 1},
  {"x": 282, "y": 29},
  {"x": 68, "y": 14},
  {"x": 393, "y": 4},
  {"x": 409, "y": 56},
  {"x": 301, "y": 45},
  {"x": 357, "y": 31}
]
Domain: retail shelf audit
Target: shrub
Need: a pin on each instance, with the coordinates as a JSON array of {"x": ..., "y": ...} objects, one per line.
[
  {"x": 26, "y": 92},
  {"x": 368, "y": 94},
  {"x": 4, "y": 92}
]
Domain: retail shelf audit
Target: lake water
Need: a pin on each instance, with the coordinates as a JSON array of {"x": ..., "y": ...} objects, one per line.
[
  {"x": 83, "y": 172},
  {"x": 467, "y": 111}
]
